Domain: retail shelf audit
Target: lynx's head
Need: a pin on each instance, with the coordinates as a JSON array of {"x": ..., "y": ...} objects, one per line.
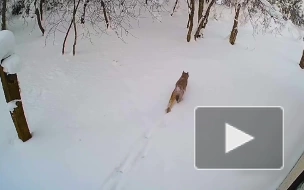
[{"x": 185, "y": 75}]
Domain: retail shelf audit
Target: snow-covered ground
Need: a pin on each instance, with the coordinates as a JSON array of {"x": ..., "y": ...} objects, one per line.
[{"x": 98, "y": 118}]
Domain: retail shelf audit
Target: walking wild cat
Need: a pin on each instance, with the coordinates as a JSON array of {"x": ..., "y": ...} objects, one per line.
[{"x": 178, "y": 92}]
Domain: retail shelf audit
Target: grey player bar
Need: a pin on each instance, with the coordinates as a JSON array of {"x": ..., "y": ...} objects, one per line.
[{"x": 264, "y": 152}]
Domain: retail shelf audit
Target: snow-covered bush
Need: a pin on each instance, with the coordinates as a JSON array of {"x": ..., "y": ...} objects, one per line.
[{"x": 292, "y": 10}]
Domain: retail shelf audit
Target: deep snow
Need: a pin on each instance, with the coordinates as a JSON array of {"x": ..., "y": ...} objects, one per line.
[{"x": 98, "y": 119}]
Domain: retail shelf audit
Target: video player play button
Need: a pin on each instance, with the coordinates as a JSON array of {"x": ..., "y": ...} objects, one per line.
[
  {"x": 239, "y": 138},
  {"x": 235, "y": 138}
]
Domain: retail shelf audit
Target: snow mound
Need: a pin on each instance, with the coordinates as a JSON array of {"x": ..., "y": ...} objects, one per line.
[
  {"x": 7, "y": 43},
  {"x": 12, "y": 64}
]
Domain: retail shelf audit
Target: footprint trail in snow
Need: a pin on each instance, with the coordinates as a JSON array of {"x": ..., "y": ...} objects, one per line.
[{"x": 138, "y": 151}]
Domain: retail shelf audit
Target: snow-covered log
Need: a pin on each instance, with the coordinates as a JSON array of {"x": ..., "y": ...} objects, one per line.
[{"x": 9, "y": 66}]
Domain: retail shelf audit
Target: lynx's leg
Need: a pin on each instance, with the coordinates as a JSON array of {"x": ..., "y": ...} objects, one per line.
[
  {"x": 180, "y": 97},
  {"x": 179, "y": 100}
]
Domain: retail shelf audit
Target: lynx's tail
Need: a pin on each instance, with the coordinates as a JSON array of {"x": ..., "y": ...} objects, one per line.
[
  {"x": 171, "y": 102},
  {"x": 168, "y": 110}
]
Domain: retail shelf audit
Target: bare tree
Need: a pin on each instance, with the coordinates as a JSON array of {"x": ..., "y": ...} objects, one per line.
[
  {"x": 204, "y": 20},
  {"x": 262, "y": 15},
  {"x": 82, "y": 21},
  {"x": 41, "y": 9},
  {"x": 73, "y": 22},
  {"x": 189, "y": 13},
  {"x": 191, "y": 18},
  {"x": 96, "y": 16},
  {"x": 3, "y": 12},
  {"x": 39, "y": 17},
  {"x": 200, "y": 9},
  {"x": 234, "y": 30},
  {"x": 175, "y": 4},
  {"x": 105, "y": 12}
]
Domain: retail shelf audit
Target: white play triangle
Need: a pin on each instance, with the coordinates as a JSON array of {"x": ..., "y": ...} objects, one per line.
[{"x": 235, "y": 138}]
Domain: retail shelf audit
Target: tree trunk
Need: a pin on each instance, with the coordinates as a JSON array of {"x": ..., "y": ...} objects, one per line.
[
  {"x": 75, "y": 28},
  {"x": 174, "y": 7},
  {"x": 3, "y": 11},
  {"x": 82, "y": 20},
  {"x": 189, "y": 9},
  {"x": 188, "y": 23},
  {"x": 41, "y": 9},
  {"x": 234, "y": 30},
  {"x": 302, "y": 61},
  {"x": 38, "y": 17},
  {"x": 204, "y": 20},
  {"x": 200, "y": 9},
  {"x": 191, "y": 18},
  {"x": 105, "y": 13},
  {"x": 73, "y": 21},
  {"x": 66, "y": 37},
  {"x": 12, "y": 92}
]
